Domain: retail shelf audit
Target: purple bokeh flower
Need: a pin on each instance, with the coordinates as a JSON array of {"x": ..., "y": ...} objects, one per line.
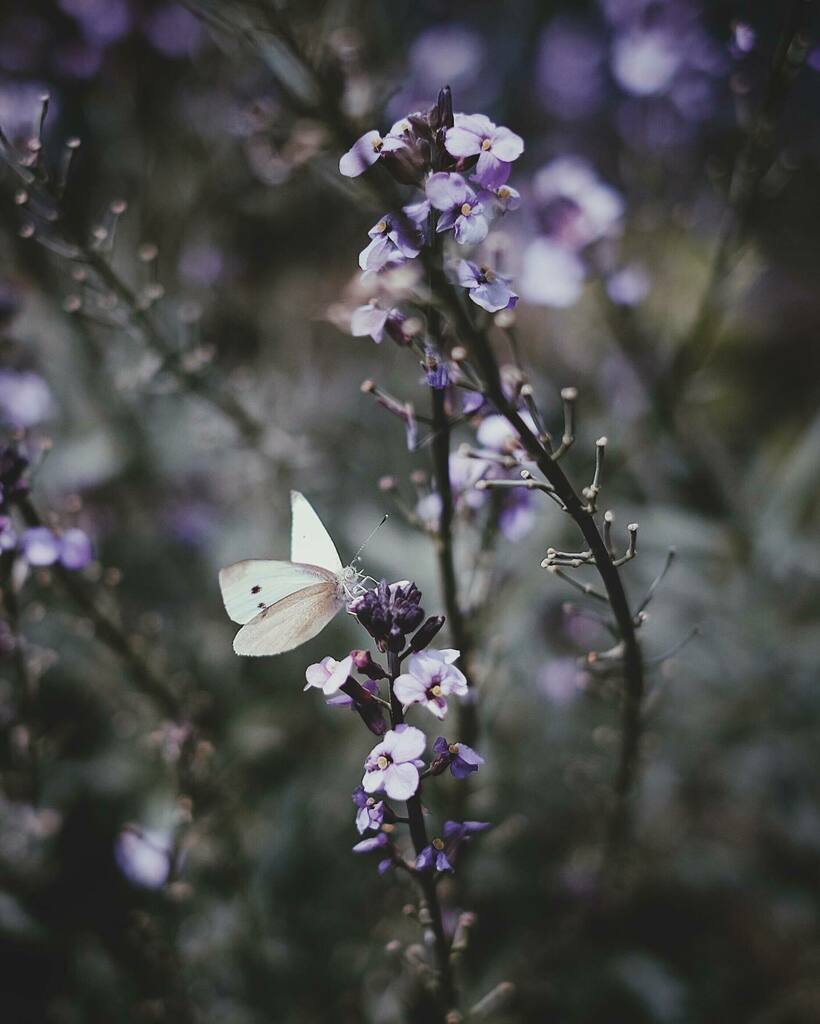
[
  {"x": 487, "y": 288},
  {"x": 174, "y": 31},
  {"x": 458, "y": 757},
  {"x": 576, "y": 207},
  {"x": 496, "y": 148},
  {"x": 144, "y": 856},
  {"x": 41, "y": 547},
  {"x": 553, "y": 276},
  {"x": 25, "y": 398},
  {"x": 393, "y": 765},
  {"x": 460, "y": 208},
  {"x": 441, "y": 853},
  {"x": 430, "y": 678},
  {"x": 369, "y": 813}
]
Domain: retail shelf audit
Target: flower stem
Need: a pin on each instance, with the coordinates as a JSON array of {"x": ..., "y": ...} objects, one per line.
[{"x": 418, "y": 835}]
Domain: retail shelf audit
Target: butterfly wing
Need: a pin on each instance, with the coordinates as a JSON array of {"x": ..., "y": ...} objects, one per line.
[
  {"x": 309, "y": 540},
  {"x": 290, "y": 622},
  {"x": 249, "y": 587}
]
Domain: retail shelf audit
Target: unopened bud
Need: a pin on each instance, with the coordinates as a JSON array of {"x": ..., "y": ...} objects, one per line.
[{"x": 426, "y": 633}]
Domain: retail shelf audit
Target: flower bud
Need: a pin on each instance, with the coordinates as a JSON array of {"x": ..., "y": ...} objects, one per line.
[{"x": 426, "y": 633}]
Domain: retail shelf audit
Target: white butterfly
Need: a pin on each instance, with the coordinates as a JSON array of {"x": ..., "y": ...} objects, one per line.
[{"x": 281, "y": 605}]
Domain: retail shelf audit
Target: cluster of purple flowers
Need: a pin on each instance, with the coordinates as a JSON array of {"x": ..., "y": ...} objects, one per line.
[
  {"x": 38, "y": 546},
  {"x": 461, "y": 163},
  {"x": 395, "y": 767}
]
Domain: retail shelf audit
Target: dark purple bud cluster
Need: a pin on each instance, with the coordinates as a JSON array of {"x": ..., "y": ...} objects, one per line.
[{"x": 389, "y": 613}]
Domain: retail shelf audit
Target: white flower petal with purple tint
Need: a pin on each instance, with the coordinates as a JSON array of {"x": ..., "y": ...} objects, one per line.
[
  {"x": 506, "y": 145},
  {"x": 369, "y": 321},
  {"x": 393, "y": 764},
  {"x": 444, "y": 191},
  {"x": 40, "y": 546},
  {"x": 487, "y": 289},
  {"x": 471, "y": 225},
  {"x": 553, "y": 276},
  {"x": 364, "y": 152},
  {"x": 431, "y": 677},
  {"x": 377, "y": 254},
  {"x": 329, "y": 675},
  {"x": 75, "y": 549},
  {"x": 577, "y": 205}
]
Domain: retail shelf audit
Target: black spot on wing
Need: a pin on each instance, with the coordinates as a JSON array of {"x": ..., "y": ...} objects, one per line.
[{"x": 256, "y": 589}]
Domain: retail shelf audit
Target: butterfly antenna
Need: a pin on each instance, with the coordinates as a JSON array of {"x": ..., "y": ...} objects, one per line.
[{"x": 368, "y": 538}]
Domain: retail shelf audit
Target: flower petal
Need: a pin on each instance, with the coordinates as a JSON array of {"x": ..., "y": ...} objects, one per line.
[
  {"x": 462, "y": 142},
  {"x": 471, "y": 230},
  {"x": 507, "y": 145},
  {"x": 408, "y": 743},
  {"x": 446, "y": 190},
  {"x": 401, "y": 780},
  {"x": 362, "y": 154},
  {"x": 409, "y": 690}
]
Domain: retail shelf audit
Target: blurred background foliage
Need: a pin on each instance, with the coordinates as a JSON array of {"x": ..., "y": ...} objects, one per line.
[{"x": 265, "y": 915}]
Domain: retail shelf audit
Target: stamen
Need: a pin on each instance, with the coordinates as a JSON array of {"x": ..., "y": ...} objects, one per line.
[
  {"x": 438, "y": 844},
  {"x": 382, "y": 762},
  {"x": 436, "y": 691},
  {"x": 486, "y": 144},
  {"x": 377, "y": 145},
  {"x": 453, "y": 748},
  {"x": 466, "y": 210}
]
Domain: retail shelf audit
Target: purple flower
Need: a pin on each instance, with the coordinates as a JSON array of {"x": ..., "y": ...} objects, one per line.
[
  {"x": 437, "y": 372},
  {"x": 75, "y": 549},
  {"x": 459, "y": 206},
  {"x": 441, "y": 853},
  {"x": 25, "y": 398},
  {"x": 371, "y": 320},
  {"x": 393, "y": 765},
  {"x": 342, "y": 699},
  {"x": 553, "y": 276},
  {"x": 576, "y": 207},
  {"x": 389, "y": 612},
  {"x": 370, "y": 812},
  {"x": 370, "y": 147},
  {"x": 374, "y": 844},
  {"x": 144, "y": 856},
  {"x": 42, "y": 547},
  {"x": 496, "y": 148},
  {"x": 461, "y": 759},
  {"x": 503, "y": 198},
  {"x": 498, "y": 434},
  {"x": 487, "y": 289},
  {"x": 629, "y": 286},
  {"x": 390, "y": 238},
  {"x": 431, "y": 677},
  {"x": 645, "y": 61},
  {"x": 329, "y": 675}
]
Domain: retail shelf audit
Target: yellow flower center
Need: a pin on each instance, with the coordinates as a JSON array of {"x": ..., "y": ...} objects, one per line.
[
  {"x": 377, "y": 145},
  {"x": 487, "y": 274},
  {"x": 436, "y": 691},
  {"x": 453, "y": 748},
  {"x": 486, "y": 144},
  {"x": 381, "y": 227},
  {"x": 382, "y": 762},
  {"x": 438, "y": 844},
  {"x": 503, "y": 192},
  {"x": 466, "y": 210}
]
